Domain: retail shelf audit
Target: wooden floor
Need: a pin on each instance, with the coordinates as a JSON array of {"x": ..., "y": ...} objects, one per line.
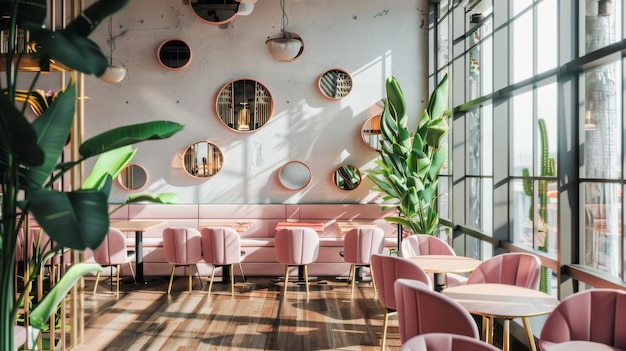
[{"x": 258, "y": 317}]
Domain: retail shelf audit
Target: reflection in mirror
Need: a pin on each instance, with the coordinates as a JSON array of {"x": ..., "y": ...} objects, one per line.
[
  {"x": 215, "y": 11},
  {"x": 335, "y": 84},
  {"x": 294, "y": 175},
  {"x": 347, "y": 177},
  {"x": 133, "y": 177},
  {"x": 174, "y": 54},
  {"x": 244, "y": 105},
  {"x": 203, "y": 159},
  {"x": 371, "y": 132}
]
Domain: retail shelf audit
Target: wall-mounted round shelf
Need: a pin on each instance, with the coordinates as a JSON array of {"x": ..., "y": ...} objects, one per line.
[
  {"x": 174, "y": 54},
  {"x": 133, "y": 177},
  {"x": 335, "y": 84},
  {"x": 244, "y": 105},
  {"x": 294, "y": 175},
  {"x": 203, "y": 159}
]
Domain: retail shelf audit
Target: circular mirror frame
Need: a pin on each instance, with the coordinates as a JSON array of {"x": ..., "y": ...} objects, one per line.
[
  {"x": 212, "y": 162},
  {"x": 370, "y": 132},
  {"x": 217, "y": 21},
  {"x": 174, "y": 55},
  {"x": 295, "y": 175},
  {"x": 341, "y": 183},
  {"x": 127, "y": 176},
  {"x": 335, "y": 84},
  {"x": 244, "y": 116}
]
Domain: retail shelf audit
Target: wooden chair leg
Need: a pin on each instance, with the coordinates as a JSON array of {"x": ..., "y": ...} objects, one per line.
[
  {"x": 384, "y": 336},
  {"x": 211, "y": 280},
  {"x": 169, "y": 288},
  {"x": 373, "y": 283},
  {"x": 232, "y": 280},
  {"x": 190, "y": 278},
  {"x": 286, "y": 279},
  {"x": 241, "y": 270},
  {"x": 95, "y": 287},
  {"x": 353, "y": 277},
  {"x": 306, "y": 281},
  {"x": 132, "y": 272},
  {"x": 117, "y": 281}
]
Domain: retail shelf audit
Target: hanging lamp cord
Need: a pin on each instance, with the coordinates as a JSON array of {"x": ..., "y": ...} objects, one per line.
[
  {"x": 111, "y": 40},
  {"x": 284, "y": 20}
]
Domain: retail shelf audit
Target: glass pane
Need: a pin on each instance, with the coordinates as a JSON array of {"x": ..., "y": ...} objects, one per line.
[
  {"x": 487, "y": 58},
  {"x": 522, "y": 43},
  {"x": 487, "y": 140},
  {"x": 444, "y": 201},
  {"x": 444, "y": 44},
  {"x": 602, "y": 24},
  {"x": 547, "y": 35},
  {"x": 519, "y": 6},
  {"x": 474, "y": 213},
  {"x": 600, "y": 244},
  {"x": 473, "y": 143},
  {"x": 547, "y": 142},
  {"x": 603, "y": 123},
  {"x": 522, "y": 213},
  {"x": 522, "y": 132}
]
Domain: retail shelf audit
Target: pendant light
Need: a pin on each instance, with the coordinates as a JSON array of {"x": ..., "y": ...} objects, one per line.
[
  {"x": 289, "y": 45},
  {"x": 113, "y": 73}
]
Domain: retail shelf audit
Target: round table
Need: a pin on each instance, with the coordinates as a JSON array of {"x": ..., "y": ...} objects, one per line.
[
  {"x": 503, "y": 301},
  {"x": 443, "y": 264}
]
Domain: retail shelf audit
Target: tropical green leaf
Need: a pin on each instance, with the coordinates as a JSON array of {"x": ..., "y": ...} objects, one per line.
[
  {"x": 52, "y": 128},
  {"x": 163, "y": 198},
  {"x": 437, "y": 130},
  {"x": 128, "y": 135},
  {"x": 395, "y": 97},
  {"x": 439, "y": 99},
  {"x": 76, "y": 220},
  {"x": 40, "y": 315},
  {"x": 18, "y": 139},
  {"x": 109, "y": 163},
  {"x": 439, "y": 158},
  {"x": 74, "y": 51}
]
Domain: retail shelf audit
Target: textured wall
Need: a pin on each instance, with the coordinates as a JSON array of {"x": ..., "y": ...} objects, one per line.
[{"x": 370, "y": 39}]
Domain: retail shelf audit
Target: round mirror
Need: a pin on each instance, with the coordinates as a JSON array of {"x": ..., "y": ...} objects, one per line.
[
  {"x": 335, "y": 84},
  {"x": 371, "y": 132},
  {"x": 294, "y": 175},
  {"x": 347, "y": 177},
  {"x": 215, "y": 11},
  {"x": 244, "y": 105},
  {"x": 203, "y": 159},
  {"x": 133, "y": 177},
  {"x": 174, "y": 54}
]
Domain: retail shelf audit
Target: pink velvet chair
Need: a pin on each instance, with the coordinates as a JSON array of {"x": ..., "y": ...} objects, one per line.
[
  {"x": 221, "y": 246},
  {"x": 445, "y": 342},
  {"x": 513, "y": 268},
  {"x": 421, "y": 244},
  {"x": 114, "y": 253},
  {"x": 386, "y": 270},
  {"x": 296, "y": 246},
  {"x": 597, "y": 315},
  {"x": 359, "y": 245},
  {"x": 422, "y": 310},
  {"x": 182, "y": 247},
  {"x": 19, "y": 336}
]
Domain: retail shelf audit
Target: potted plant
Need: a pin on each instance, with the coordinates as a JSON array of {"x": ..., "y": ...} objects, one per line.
[
  {"x": 30, "y": 152},
  {"x": 409, "y": 164}
]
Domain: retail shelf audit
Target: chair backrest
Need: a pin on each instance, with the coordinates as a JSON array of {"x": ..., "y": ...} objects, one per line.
[
  {"x": 513, "y": 268},
  {"x": 597, "y": 315},
  {"x": 422, "y": 244},
  {"x": 422, "y": 310},
  {"x": 182, "y": 245},
  {"x": 387, "y": 269},
  {"x": 361, "y": 243},
  {"x": 445, "y": 342},
  {"x": 19, "y": 246},
  {"x": 220, "y": 245},
  {"x": 112, "y": 250},
  {"x": 296, "y": 245}
]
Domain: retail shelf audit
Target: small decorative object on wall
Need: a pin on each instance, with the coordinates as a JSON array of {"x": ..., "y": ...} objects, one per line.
[
  {"x": 244, "y": 105},
  {"x": 289, "y": 45},
  {"x": 114, "y": 73},
  {"x": 347, "y": 177},
  {"x": 174, "y": 54},
  {"x": 294, "y": 175},
  {"x": 203, "y": 159},
  {"x": 335, "y": 84},
  {"x": 133, "y": 177},
  {"x": 371, "y": 132}
]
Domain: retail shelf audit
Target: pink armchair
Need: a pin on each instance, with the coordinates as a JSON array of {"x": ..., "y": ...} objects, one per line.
[
  {"x": 445, "y": 342},
  {"x": 597, "y": 315},
  {"x": 386, "y": 270},
  {"x": 221, "y": 246},
  {"x": 422, "y": 310},
  {"x": 182, "y": 247},
  {"x": 296, "y": 246},
  {"x": 514, "y": 268},
  {"x": 113, "y": 252},
  {"x": 359, "y": 245}
]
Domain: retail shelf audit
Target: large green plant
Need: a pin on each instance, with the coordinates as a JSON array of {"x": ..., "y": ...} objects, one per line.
[
  {"x": 30, "y": 152},
  {"x": 409, "y": 165}
]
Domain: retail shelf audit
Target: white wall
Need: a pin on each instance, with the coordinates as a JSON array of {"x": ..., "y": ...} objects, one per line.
[{"x": 371, "y": 39}]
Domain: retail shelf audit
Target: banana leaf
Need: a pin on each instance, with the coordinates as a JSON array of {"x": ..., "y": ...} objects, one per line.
[{"x": 109, "y": 163}]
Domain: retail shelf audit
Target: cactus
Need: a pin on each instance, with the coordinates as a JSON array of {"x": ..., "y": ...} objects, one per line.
[{"x": 548, "y": 169}]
